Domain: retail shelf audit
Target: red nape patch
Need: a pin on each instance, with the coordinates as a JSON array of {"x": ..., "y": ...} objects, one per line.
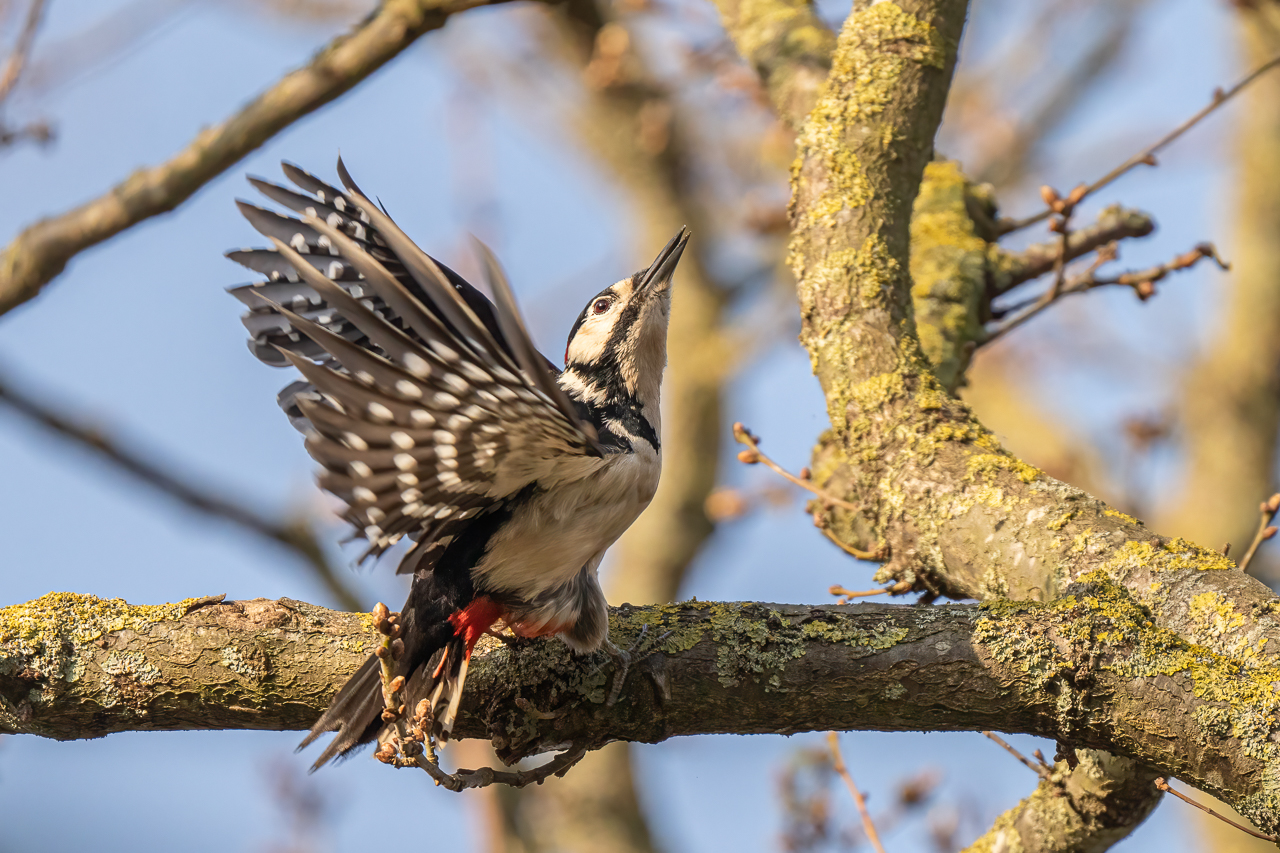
[{"x": 472, "y": 621}]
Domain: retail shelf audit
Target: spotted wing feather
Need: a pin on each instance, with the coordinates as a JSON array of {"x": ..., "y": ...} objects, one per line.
[{"x": 422, "y": 416}]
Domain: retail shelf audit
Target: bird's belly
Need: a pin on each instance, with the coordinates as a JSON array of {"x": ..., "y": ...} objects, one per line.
[{"x": 558, "y": 533}]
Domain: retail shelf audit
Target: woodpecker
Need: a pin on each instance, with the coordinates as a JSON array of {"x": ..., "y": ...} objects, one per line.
[{"x": 436, "y": 419}]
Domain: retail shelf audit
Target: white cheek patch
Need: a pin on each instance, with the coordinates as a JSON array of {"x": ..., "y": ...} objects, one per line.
[{"x": 589, "y": 343}]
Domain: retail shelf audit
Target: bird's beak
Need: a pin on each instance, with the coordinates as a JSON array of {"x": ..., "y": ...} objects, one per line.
[{"x": 660, "y": 271}]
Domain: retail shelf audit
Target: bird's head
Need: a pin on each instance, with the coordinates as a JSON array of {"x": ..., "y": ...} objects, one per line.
[{"x": 618, "y": 345}]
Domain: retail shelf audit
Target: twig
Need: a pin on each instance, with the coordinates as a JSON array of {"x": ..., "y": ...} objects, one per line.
[
  {"x": 1042, "y": 769},
  {"x": 837, "y": 764},
  {"x": 43, "y": 249},
  {"x": 295, "y": 535},
  {"x": 1114, "y": 223},
  {"x": 1147, "y": 155},
  {"x": 1268, "y": 508},
  {"x": 753, "y": 455},
  {"x": 875, "y": 556},
  {"x": 898, "y": 588},
  {"x": 1142, "y": 282},
  {"x": 22, "y": 48},
  {"x": 1164, "y": 786},
  {"x": 415, "y": 747}
]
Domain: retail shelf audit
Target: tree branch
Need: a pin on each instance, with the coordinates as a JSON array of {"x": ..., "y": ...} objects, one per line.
[
  {"x": 788, "y": 45},
  {"x": 1089, "y": 670},
  {"x": 43, "y": 250},
  {"x": 1114, "y": 223}
]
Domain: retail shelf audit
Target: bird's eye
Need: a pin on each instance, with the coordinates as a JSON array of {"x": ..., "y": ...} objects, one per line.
[{"x": 601, "y": 305}]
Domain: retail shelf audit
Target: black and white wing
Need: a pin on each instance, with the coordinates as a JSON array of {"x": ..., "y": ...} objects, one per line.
[{"x": 425, "y": 403}]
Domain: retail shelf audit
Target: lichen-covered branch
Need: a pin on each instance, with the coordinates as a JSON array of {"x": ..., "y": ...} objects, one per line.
[
  {"x": 788, "y": 45},
  {"x": 43, "y": 250},
  {"x": 1090, "y": 670},
  {"x": 960, "y": 515},
  {"x": 1010, "y": 269},
  {"x": 1089, "y": 807}
]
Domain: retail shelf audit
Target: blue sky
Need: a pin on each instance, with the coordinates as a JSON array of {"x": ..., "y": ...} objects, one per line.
[{"x": 139, "y": 333}]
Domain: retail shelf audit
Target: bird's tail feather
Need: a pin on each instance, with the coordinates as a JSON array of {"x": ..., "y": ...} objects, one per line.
[{"x": 434, "y": 664}]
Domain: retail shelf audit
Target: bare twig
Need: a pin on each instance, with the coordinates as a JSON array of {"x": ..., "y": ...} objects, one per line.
[
  {"x": 875, "y": 556},
  {"x": 1268, "y": 508},
  {"x": 295, "y": 535},
  {"x": 753, "y": 455},
  {"x": 21, "y": 50},
  {"x": 1041, "y": 769},
  {"x": 1164, "y": 786},
  {"x": 898, "y": 588},
  {"x": 1142, "y": 282},
  {"x": 43, "y": 249},
  {"x": 1147, "y": 155},
  {"x": 837, "y": 764}
]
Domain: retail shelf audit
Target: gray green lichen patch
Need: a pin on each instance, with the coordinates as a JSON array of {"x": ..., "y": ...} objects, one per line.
[
  {"x": 883, "y": 635},
  {"x": 1238, "y": 707},
  {"x": 132, "y": 664}
]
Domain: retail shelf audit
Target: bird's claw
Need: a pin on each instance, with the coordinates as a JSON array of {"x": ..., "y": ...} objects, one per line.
[{"x": 622, "y": 660}]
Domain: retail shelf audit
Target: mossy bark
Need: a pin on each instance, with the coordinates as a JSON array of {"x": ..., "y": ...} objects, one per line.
[{"x": 1090, "y": 669}]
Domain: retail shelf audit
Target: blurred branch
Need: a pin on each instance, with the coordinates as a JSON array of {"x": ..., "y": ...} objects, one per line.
[
  {"x": 37, "y": 131},
  {"x": 787, "y": 44},
  {"x": 1147, "y": 156},
  {"x": 1141, "y": 281},
  {"x": 621, "y": 115},
  {"x": 18, "y": 59},
  {"x": 837, "y": 764},
  {"x": 1090, "y": 801},
  {"x": 1010, "y": 162},
  {"x": 42, "y": 250},
  {"x": 295, "y": 535},
  {"x": 725, "y": 668}
]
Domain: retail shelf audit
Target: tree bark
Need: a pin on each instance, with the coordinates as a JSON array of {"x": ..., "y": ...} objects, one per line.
[{"x": 1089, "y": 669}]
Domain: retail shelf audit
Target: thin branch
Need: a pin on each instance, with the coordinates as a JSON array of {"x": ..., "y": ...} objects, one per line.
[
  {"x": 1147, "y": 155},
  {"x": 837, "y": 764},
  {"x": 753, "y": 455},
  {"x": 1114, "y": 223},
  {"x": 1142, "y": 282},
  {"x": 846, "y": 594},
  {"x": 296, "y": 535},
  {"x": 1041, "y": 769},
  {"x": 43, "y": 249},
  {"x": 18, "y": 59},
  {"x": 1164, "y": 786},
  {"x": 1268, "y": 509}
]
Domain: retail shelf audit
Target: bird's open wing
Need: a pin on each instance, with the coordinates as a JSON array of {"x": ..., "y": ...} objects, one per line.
[{"x": 425, "y": 403}]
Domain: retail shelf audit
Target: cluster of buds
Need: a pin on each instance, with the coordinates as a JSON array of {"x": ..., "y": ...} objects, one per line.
[
  {"x": 387, "y": 624},
  {"x": 1062, "y": 206},
  {"x": 1269, "y": 508},
  {"x": 743, "y": 436}
]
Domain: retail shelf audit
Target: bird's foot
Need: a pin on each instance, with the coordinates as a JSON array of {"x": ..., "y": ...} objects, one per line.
[{"x": 622, "y": 660}]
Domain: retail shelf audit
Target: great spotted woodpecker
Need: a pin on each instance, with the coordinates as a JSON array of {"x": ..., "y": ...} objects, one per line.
[{"x": 436, "y": 419}]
